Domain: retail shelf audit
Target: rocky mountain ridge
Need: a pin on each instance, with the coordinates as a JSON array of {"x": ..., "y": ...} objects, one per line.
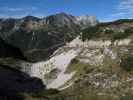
[
  {"x": 39, "y": 34},
  {"x": 60, "y": 20}
]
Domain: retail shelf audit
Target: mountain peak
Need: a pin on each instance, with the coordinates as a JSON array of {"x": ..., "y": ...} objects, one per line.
[
  {"x": 27, "y": 18},
  {"x": 61, "y": 19},
  {"x": 62, "y": 13}
]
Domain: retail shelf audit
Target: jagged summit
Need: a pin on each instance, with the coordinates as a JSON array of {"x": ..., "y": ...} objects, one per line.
[
  {"x": 58, "y": 19},
  {"x": 82, "y": 21},
  {"x": 62, "y": 13}
]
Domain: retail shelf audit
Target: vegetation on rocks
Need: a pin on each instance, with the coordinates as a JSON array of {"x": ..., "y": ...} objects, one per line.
[
  {"x": 119, "y": 35},
  {"x": 45, "y": 93},
  {"x": 90, "y": 32},
  {"x": 127, "y": 62},
  {"x": 117, "y": 22},
  {"x": 78, "y": 67},
  {"x": 112, "y": 30}
]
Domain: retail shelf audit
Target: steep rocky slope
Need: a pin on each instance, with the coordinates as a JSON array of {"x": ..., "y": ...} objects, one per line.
[
  {"x": 86, "y": 66},
  {"x": 93, "y": 72},
  {"x": 85, "y": 70}
]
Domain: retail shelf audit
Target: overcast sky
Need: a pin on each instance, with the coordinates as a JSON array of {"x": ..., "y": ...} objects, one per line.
[{"x": 104, "y": 10}]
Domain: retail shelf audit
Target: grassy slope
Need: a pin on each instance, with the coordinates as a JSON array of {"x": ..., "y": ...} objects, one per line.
[{"x": 119, "y": 29}]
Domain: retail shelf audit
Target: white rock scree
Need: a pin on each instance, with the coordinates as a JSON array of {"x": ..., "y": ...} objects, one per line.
[
  {"x": 59, "y": 62},
  {"x": 62, "y": 60}
]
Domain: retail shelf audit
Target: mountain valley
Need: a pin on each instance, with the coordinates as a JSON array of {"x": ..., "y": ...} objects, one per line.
[{"x": 65, "y": 57}]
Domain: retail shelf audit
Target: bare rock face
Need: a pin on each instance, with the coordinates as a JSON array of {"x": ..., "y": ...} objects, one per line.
[
  {"x": 85, "y": 21},
  {"x": 61, "y": 19}
]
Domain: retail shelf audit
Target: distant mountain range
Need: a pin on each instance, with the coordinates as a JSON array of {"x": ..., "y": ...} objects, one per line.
[{"x": 41, "y": 36}]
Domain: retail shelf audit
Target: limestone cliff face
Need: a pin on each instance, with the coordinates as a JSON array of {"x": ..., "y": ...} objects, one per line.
[
  {"x": 63, "y": 19},
  {"x": 85, "y": 21},
  {"x": 77, "y": 42}
]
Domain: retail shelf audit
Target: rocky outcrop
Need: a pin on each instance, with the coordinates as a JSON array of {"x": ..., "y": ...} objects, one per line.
[
  {"x": 85, "y": 21},
  {"x": 56, "y": 65},
  {"x": 77, "y": 42}
]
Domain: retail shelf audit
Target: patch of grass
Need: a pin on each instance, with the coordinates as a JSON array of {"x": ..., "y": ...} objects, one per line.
[
  {"x": 90, "y": 33},
  {"x": 79, "y": 67},
  {"x": 14, "y": 63},
  {"x": 117, "y": 22},
  {"x": 74, "y": 61},
  {"x": 127, "y": 62},
  {"x": 84, "y": 93},
  {"x": 104, "y": 31},
  {"x": 129, "y": 30},
  {"x": 127, "y": 97},
  {"x": 119, "y": 35},
  {"x": 45, "y": 93},
  {"x": 111, "y": 66}
]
